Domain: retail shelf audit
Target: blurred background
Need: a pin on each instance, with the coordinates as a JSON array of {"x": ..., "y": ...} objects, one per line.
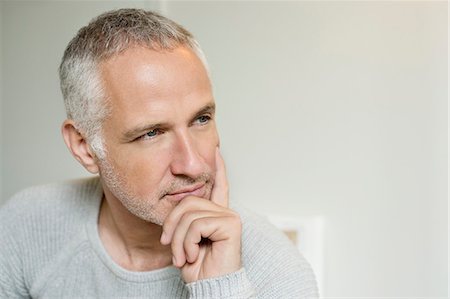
[{"x": 329, "y": 109}]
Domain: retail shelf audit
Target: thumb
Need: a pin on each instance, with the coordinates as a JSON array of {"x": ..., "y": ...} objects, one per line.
[{"x": 219, "y": 193}]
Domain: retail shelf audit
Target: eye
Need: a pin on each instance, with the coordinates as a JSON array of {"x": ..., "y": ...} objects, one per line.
[
  {"x": 151, "y": 134},
  {"x": 203, "y": 119}
]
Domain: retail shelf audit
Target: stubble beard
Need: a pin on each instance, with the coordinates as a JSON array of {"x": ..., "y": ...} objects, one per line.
[{"x": 152, "y": 208}]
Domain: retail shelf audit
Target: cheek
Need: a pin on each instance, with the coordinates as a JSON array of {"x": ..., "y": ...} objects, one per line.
[
  {"x": 144, "y": 170},
  {"x": 208, "y": 139}
]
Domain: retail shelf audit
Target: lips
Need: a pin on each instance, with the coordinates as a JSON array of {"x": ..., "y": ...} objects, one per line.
[{"x": 197, "y": 190}]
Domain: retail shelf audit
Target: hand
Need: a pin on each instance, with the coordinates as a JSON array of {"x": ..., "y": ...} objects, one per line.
[{"x": 205, "y": 235}]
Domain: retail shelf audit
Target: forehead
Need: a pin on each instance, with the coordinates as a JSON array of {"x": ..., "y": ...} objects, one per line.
[{"x": 141, "y": 81}]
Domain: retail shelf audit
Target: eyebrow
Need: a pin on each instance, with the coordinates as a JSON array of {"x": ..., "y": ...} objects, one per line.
[
  {"x": 139, "y": 130},
  {"x": 209, "y": 108}
]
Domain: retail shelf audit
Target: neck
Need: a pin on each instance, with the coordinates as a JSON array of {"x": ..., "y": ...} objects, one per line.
[{"x": 130, "y": 241}]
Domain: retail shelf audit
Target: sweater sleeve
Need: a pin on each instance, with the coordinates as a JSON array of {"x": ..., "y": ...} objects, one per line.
[
  {"x": 273, "y": 267},
  {"x": 12, "y": 283},
  {"x": 233, "y": 285}
]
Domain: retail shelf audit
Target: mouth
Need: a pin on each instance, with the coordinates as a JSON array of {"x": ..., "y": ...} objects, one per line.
[{"x": 196, "y": 190}]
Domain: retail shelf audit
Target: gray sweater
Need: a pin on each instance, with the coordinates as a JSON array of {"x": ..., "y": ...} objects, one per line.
[{"x": 50, "y": 248}]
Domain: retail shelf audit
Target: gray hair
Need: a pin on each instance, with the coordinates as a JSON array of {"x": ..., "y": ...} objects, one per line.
[{"x": 105, "y": 36}]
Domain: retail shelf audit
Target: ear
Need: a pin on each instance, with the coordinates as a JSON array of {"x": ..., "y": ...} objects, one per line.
[{"x": 78, "y": 146}]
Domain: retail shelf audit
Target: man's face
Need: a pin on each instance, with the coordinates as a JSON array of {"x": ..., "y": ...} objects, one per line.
[{"x": 161, "y": 136}]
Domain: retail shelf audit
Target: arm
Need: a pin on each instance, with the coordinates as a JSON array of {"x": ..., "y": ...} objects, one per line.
[
  {"x": 267, "y": 265},
  {"x": 272, "y": 267},
  {"x": 232, "y": 285},
  {"x": 11, "y": 279}
]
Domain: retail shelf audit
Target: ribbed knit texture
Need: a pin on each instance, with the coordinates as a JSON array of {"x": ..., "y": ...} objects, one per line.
[{"x": 50, "y": 248}]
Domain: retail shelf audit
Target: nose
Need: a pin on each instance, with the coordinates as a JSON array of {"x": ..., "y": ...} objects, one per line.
[{"x": 187, "y": 160}]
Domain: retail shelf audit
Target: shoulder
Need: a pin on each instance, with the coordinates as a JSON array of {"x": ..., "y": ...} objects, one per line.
[
  {"x": 52, "y": 193},
  {"x": 36, "y": 224},
  {"x": 49, "y": 211},
  {"x": 274, "y": 265},
  {"x": 48, "y": 200}
]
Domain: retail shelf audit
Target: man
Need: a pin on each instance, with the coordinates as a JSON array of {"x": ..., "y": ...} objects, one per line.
[{"x": 156, "y": 221}]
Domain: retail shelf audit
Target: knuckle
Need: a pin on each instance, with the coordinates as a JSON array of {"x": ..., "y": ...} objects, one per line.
[
  {"x": 236, "y": 219},
  {"x": 184, "y": 203},
  {"x": 235, "y": 215},
  {"x": 188, "y": 202},
  {"x": 198, "y": 224},
  {"x": 188, "y": 217}
]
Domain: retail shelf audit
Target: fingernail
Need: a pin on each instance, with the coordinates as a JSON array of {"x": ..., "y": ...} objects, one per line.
[{"x": 174, "y": 261}]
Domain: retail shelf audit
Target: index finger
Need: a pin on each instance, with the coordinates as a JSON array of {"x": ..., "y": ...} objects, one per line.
[{"x": 219, "y": 193}]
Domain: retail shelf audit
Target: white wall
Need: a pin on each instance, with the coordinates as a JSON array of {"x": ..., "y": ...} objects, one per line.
[{"x": 325, "y": 108}]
